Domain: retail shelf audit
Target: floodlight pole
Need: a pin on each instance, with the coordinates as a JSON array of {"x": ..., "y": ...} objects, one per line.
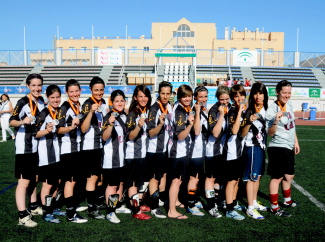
[{"x": 25, "y": 52}]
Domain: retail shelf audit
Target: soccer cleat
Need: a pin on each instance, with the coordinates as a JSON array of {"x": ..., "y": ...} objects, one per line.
[
  {"x": 27, "y": 222},
  {"x": 280, "y": 213},
  {"x": 215, "y": 213},
  {"x": 258, "y": 206},
  {"x": 293, "y": 204},
  {"x": 198, "y": 204},
  {"x": 51, "y": 218},
  {"x": 161, "y": 203},
  {"x": 37, "y": 211},
  {"x": 141, "y": 216},
  {"x": 96, "y": 214},
  {"x": 123, "y": 209},
  {"x": 59, "y": 212},
  {"x": 158, "y": 213},
  {"x": 145, "y": 208},
  {"x": 81, "y": 208},
  {"x": 77, "y": 219},
  {"x": 239, "y": 208},
  {"x": 195, "y": 211},
  {"x": 113, "y": 218},
  {"x": 234, "y": 215},
  {"x": 254, "y": 214}
]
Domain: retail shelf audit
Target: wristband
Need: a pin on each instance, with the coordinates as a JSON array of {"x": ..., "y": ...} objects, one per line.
[{"x": 275, "y": 124}]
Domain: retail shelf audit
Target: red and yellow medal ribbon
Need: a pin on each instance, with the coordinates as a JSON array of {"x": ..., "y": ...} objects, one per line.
[
  {"x": 162, "y": 109},
  {"x": 142, "y": 110},
  {"x": 73, "y": 107},
  {"x": 52, "y": 114},
  {"x": 258, "y": 108},
  {"x": 188, "y": 109},
  {"x": 283, "y": 109},
  {"x": 114, "y": 110},
  {"x": 95, "y": 101},
  {"x": 33, "y": 107}
]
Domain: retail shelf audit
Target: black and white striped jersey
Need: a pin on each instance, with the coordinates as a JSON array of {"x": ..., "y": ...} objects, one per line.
[
  {"x": 200, "y": 141},
  {"x": 114, "y": 147},
  {"x": 92, "y": 140},
  {"x": 158, "y": 143},
  {"x": 235, "y": 143},
  {"x": 69, "y": 142},
  {"x": 257, "y": 133},
  {"x": 215, "y": 146},
  {"x": 25, "y": 142},
  {"x": 177, "y": 148},
  {"x": 48, "y": 145},
  {"x": 136, "y": 148}
]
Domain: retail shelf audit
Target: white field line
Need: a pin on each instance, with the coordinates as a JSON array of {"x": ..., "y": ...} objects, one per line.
[
  {"x": 307, "y": 194},
  {"x": 311, "y": 140}
]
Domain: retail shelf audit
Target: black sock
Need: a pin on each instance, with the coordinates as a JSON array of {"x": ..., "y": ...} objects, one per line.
[
  {"x": 70, "y": 207},
  {"x": 191, "y": 198},
  {"x": 23, "y": 214},
  {"x": 162, "y": 196},
  {"x": 33, "y": 206},
  {"x": 91, "y": 198},
  {"x": 230, "y": 207},
  {"x": 100, "y": 195},
  {"x": 154, "y": 200},
  {"x": 210, "y": 202}
]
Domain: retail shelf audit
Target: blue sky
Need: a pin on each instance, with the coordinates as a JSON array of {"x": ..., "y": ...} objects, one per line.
[{"x": 109, "y": 18}]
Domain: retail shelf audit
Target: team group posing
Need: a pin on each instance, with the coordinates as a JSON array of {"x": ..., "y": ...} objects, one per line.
[{"x": 166, "y": 153}]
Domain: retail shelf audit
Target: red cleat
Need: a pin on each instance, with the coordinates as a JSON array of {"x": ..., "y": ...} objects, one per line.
[
  {"x": 141, "y": 216},
  {"x": 145, "y": 208}
]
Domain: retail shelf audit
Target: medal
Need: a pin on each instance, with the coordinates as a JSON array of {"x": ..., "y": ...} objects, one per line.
[
  {"x": 192, "y": 113},
  {"x": 143, "y": 115},
  {"x": 285, "y": 114},
  {"x": 75, "y": 108},
  {"x": 162, "y": 108},
  {"x": 258, "y": 115},
  {"x": 225, "y": 108},
  {"x": 115, "y": 114},
  {"x": 100, "y": 108},
  {"x": 79, "y": 116},
  {"x": 143, "y": 112},
  {"x": 284, "y": 120},
  {"x": 55, "y": 121},
  {"x": 33, "y": 108}
]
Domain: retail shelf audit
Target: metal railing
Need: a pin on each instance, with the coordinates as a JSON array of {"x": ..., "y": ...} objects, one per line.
[{"x": 147, "y": 57}]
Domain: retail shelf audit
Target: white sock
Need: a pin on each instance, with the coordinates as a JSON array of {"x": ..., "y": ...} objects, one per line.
[
  {"x": 287, "y": 199},
  {"x": 251, "y": 208}
]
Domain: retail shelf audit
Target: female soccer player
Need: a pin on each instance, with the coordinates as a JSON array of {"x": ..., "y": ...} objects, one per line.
[
  {"x": 93, "y": 111},
  {"x": 234, "y": 167},
  {"x": 159, "y": 130},
  {"x": 114, "y": 133},
  {"x": 179, "y": 148},
  {"x": 49, "y": 151},
  {"x": 26, "y": 160},
  {"x": 214, "y": 164},
  {"x": 5, "y": 113},
  {"x": 136, "y": 125},
  {"x": 254, "y": 150},
  {"x": 283, "y": 147},
  {"x": 69, "y": 119},
  {"x": 199, "y": 135}
]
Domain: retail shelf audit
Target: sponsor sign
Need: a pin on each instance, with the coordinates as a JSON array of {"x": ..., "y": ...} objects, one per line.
[
  {"x": 244, "y": 58},
  {"x": 299, "y": 92},
  {"x": 109, "y": 57},
  {"x": 271, "y": 91},
  {"x": 314, "y": 92}
]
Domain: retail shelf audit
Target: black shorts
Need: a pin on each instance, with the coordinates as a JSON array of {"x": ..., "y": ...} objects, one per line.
[
  {"x": 156, "y": 164},
  {"x": 49, "y": 174},
  {"x": 178, "y": 168},
  {"x": 281, "y": 161},
  {"x": 196, "y": 167},
  {"x": 234, "y": 169},
  {"x": 92, "y": 162},
  {"x": 215, "y": 167},
  {"x": 114, "y": 176},
  {"x": 136, "y": 172},
  {"x": 71, "y": 166},
  {"x": 26, "y": 166}
]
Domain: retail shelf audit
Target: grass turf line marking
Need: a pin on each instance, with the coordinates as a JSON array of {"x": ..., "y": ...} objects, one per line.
[
  {"x": 7, "y": 188},
  {"x": 307, "y": 194},
  {"x": 319, "y": 140}
]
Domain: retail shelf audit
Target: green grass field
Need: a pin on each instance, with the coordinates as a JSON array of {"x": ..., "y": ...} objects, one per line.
[{"x": 306, "y": 224}]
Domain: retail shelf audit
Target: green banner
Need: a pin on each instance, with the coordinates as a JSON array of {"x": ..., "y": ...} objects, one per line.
[
  {"x": 314, "y": 92},
  {"x": 272, "y": 92}
]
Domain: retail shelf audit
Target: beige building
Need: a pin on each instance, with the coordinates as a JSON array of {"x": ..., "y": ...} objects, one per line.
[{"x": 182, "y": 36}]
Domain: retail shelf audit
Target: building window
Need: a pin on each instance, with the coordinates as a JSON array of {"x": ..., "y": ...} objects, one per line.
[
  {"x": 259, "y": 50},
  {"x": 71, "y": 49},
  {"x": 73, "y": 63},
  {"x": 270, "y": 51},
  {"x": 83, "y": 49},
  {"x": 146, "y": 49},
  {"x": 84, "y": 62},
  {"x": 109, "y": 47},
  {"x": 245, "y": 48},
  {"x": 183, "y": 48},
  {"x": 233, "y": 48},
  {"x": 96, "y": 49},
  {"x": 183, "y": 31},
  {"x": 134, "y": 49},
  {"x": 49, "y": 63},
  {"x": 221, "y": 50}
]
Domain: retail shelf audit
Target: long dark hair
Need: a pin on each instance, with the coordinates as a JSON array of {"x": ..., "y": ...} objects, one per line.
[
  {"x": 258, "y": 88},
  {"x": 134, "y": 103},
  {"x": 116, "y": 93}
]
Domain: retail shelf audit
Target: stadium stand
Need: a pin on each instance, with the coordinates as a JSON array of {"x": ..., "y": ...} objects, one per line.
[
  {"x": 206, "y": 72},
  {"x": 13, "y": 75},
  {"x": 299, "y": 77}
]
